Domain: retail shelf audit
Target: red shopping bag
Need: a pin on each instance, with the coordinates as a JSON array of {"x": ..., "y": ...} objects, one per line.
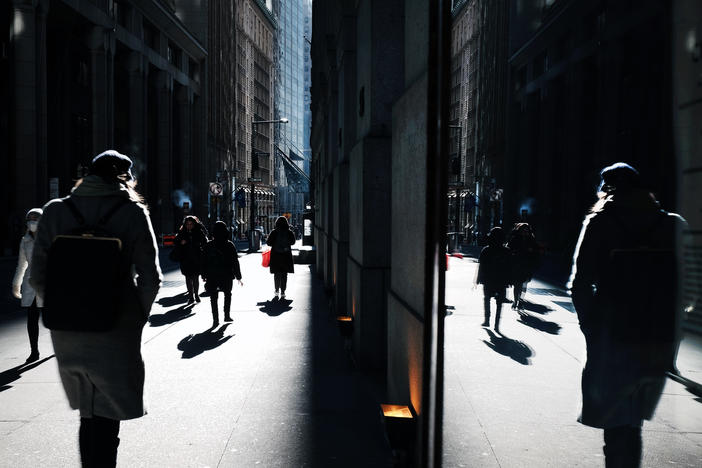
[{"x": 266, "y": 258}]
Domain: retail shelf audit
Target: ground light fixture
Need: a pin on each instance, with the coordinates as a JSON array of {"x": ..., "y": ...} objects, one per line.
[
  {"x": 399, "y": 422},
  {"x": 345, "y": 324}
]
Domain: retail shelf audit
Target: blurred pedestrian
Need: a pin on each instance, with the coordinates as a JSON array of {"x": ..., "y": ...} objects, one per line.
[
  {"x": 624, "y": 289},
  {"x": 220, "y": 267},
  {"x": 493, "y": 273},
  {"x": 188, "y": 245},
  {"x": 525, "y": 256},
  {"x": 103, "y": 372},
  {"x": 281, "y": 240},
  {"x": 21, "y": 288}
]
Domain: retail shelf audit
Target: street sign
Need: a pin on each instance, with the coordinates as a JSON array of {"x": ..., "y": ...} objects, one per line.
[
  {"x": 216, "y": 189},
  {"x": 255, "y": 179}
]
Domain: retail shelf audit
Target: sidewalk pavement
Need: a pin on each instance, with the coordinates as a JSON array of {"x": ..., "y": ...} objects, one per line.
[
  {"x": 273, "y": 388},
  {"x": 512, "y": 399}
]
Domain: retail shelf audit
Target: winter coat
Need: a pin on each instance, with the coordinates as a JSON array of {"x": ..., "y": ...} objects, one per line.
[
  {"x": 103, "y": 372},
  {"x": 622, "y": 379},
  {"x": 281, "y": 241},
  {"x": 525, "y": 257},
  {"x": 494, "y": 267},
  {"x": 220, "y": 261},
  {"x": 24, "y": 271},
  {"x": 190, "y": 254}
]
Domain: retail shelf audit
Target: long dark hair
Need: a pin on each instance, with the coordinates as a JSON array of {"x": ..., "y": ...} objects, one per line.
[
  {"x": 197, "y": 225},
  {"x": 282, "y": 223}
]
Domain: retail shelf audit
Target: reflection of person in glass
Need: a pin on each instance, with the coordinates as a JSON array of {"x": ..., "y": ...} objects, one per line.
[{"x": 624, "y": 288}]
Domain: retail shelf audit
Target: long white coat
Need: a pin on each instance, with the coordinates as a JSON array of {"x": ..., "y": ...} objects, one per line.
[
  {"x": 103, "y": 373},
  {"x": 23, "y": 272}
]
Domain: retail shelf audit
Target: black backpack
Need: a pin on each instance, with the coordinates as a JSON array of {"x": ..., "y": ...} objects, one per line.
[
  {"x": 86, "y": 276},
  {"x": 641, "y": 284}
]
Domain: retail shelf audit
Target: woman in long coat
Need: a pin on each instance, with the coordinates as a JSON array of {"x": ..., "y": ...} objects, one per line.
[
  {"x": 281, "y": 241},
  {"x": 21, "y": 288},
  {"x": 103, "y": 372},
  {"x": 627, "y": 356},
  {"x": 189, "y": 242}
]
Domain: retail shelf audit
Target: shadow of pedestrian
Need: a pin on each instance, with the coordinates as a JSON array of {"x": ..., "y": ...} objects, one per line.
[
  {"x": 567, "y": 305},
  {"x": 275, "y": 307},
  {"x": 10, "y": 375},
  {"x": 171, "y": 316},
  {"x": 516, "y": 350},
  {"x": 534, "y": 307},
  {"x": 179, "y": 298},
  {"x": 193, "y": 345},
  {"x": 539, "y": 323}
]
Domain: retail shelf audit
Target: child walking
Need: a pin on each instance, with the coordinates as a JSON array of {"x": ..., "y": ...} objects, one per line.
[
  {"x": 220, "y": 267},
  {"x": 493, "y": 273}
]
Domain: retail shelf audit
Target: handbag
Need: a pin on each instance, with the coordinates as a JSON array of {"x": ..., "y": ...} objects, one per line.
[{"x": 266, "y": 258}]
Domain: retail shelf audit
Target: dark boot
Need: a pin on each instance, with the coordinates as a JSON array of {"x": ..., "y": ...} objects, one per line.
[
  {"x": 215, "y": 312},
  {"x": 486, "y": 305},
  {"x": 227, "y": 307},
  {"x": 497, "y": 315}
]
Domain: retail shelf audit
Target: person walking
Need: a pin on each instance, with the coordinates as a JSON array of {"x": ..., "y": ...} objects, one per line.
[
  {"x": 525, "y": 255},
  {"x": 191, "y": 238},
  {"x": 281, "y": 240},
  {"x": 493, "y": 273},
  {"x": 220, "y": 267},
  {"x": 21, "y": 288},
  {"x": 624, "y": 289},
  {"x": 103, "y": 372}
]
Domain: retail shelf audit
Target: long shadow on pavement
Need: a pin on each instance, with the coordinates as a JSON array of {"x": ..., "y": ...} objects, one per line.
[
  {"x": 10, "y": 375},
  {"x": 171, "y": 316},
  {"x": 169, "y": 301},
  {"x": 534, "y": 307},
  {"x": 506, "y": 346},
  {"x": 275, "y": 307},
  {"x": 193, "y": 345},
  {"x": 539, "y": 323}
]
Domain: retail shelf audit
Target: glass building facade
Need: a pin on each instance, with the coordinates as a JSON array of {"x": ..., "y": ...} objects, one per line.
[{"x": 292, "y": 101}]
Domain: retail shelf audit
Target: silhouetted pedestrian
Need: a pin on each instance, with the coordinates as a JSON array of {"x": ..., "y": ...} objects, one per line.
[
  {"x": 103, "y": 372},
  {"x": 525, "y": 255},
  {"x": 220, "y": 267},
  {"x": 624, "y": 287},
  {"x": 493, "y": 273},
  {"x": 281, "y": 241},
  {"x": 21, "y": 288},
  {"x": 188, "y": 244}
]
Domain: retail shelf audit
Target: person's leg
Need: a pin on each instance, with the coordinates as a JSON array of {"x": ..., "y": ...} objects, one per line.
[
  {"x": 283, "y": 284},
  {"x": 622, "y": 447},
  {"x": 499, "y": 300},
  {"x": 486, "y": 306},
  {"x": 276, "y": 281},
  {"x": 189, "y": 284},
  {"x": 98, "y": 441},
  {"x": 227, "y": 289},
  {"x": 33, "y": 331},
  {"x": 517, "y": 293},
  {"x": 213, "y": 302},
  {"x": 196, "y": 287}
]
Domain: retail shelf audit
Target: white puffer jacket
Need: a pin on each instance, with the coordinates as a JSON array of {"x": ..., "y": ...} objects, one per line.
[{"x": 20, "y": 284}]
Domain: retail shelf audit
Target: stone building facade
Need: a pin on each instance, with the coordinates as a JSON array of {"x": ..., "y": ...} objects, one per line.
[
  {"x": 81, "y": 77},
  {"x": 255, "y": 30}
]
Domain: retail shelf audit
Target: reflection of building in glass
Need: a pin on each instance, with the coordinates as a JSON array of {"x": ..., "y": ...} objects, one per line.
[
  {"x": 477, "y": 113},
  {"x": 255, "y": 32},
  {"x": 292, "y": 77}
]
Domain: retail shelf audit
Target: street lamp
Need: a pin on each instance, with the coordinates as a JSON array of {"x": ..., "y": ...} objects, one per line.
[{"x": 254, "y": 164}]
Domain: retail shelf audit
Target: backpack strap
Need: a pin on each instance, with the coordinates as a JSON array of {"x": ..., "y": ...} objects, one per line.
[
  {"x": 74, "y": 210},
  {"x": 101, "y": 222}
]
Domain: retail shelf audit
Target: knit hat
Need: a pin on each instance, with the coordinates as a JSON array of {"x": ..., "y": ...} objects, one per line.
[
  {"x": 619, "y": 176},
  {"x": 35, "y": 212},
  {"x": 111, "y": 164}
]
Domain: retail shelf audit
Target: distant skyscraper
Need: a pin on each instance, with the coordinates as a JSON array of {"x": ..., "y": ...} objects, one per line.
[{"x": 292, "y": 82}]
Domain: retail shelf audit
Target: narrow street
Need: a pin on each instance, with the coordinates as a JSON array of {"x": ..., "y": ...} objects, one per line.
[
  {"x": 273, "y": 388},
  {"x": 512, "y": 398}
]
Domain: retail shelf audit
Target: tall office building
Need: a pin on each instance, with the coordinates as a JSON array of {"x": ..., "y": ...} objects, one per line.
[{"x": 291, "y": 141}]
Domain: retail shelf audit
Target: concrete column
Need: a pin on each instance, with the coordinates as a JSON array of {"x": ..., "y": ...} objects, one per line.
[
  {"x": 24, "y": 37},
  {"x": 164, "y": 91},
  {"x": 100, "y": 76},
  {"x": 137, "y": 111},
  {"x": 184, "y": 100}
]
